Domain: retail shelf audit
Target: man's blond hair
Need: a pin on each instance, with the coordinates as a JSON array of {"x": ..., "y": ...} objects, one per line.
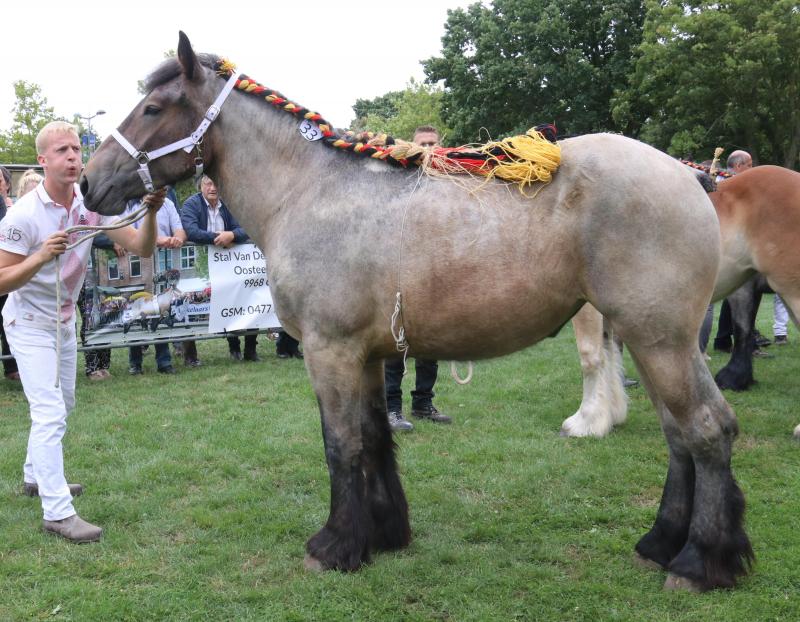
[{"x": 54, "y": 127}]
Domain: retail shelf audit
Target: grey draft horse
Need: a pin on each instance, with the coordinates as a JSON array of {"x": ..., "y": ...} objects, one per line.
[{"x": 622, "y": 226}]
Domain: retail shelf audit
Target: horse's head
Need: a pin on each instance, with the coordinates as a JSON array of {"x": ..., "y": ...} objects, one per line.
[{"x": 179, "y": 94}]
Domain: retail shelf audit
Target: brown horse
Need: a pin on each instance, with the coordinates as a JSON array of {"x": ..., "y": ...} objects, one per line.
[
  {"x": 363, "y": 256},
  {"x": 759, "y": 217}
]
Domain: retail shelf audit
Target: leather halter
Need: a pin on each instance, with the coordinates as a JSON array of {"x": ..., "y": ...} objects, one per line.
[{"x": 187, "y": 144}]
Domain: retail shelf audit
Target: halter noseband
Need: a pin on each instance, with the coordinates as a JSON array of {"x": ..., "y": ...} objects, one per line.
[{"x": 187, "y": 144}]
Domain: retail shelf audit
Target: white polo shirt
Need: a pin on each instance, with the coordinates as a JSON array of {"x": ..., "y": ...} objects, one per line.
[
  {"x": 167, "y": 218},
  {"x": 23, "y": 231}
]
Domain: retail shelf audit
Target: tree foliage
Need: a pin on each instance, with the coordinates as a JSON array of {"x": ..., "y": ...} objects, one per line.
[
  {"x": 518, "y": 63},
  {"x": 711, "y": 74},
  {"x": 30, "y": 114},
  {"x": 399, "y": 113}
]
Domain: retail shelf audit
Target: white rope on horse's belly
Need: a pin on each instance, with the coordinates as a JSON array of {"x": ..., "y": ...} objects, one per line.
[
  {"x": 96, "y": 230},
  {"x": 456, "y": 377}
]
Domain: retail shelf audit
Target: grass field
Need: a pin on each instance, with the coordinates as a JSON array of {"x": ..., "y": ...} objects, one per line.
[{"x": 208, "y": 484}]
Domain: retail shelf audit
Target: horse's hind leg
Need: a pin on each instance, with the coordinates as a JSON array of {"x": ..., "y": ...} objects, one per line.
[
  {"x": 387, "y": 502},
  {"x": 368, "y": 508},
  {"x": 711, "y": 549}
]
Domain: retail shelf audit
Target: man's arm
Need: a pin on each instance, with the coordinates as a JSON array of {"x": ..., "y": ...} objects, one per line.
[
  {"x": 141, "y": 241},
  {"x": 16, "y": 270}
]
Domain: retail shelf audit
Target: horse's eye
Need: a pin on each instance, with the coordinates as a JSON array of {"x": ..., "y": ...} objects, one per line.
[{"x": 152, "y": 110}]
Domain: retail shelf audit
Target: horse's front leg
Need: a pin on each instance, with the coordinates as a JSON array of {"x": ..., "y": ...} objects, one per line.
[
  {"x": 368, "y": 508},
  {"x": 604, "y": 402},
  {"x": 385, "y": 496}
]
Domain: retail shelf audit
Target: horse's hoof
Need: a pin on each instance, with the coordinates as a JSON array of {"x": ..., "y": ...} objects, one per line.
[
  {"x": 578, "y": 426},
  {"x": 645, "y": 563},
  {"x": 797, "y": 433},
  {"x": 675, "y": 583},
  {"x": 313, "y": 564}
]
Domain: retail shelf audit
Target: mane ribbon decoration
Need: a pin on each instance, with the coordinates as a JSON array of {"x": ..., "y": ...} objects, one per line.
[
  {"x": 187, "y": 144},
  {"x": 533, "y": 156}
]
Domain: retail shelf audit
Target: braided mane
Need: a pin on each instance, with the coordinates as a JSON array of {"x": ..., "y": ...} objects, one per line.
[{"x": 524, "y": 159}]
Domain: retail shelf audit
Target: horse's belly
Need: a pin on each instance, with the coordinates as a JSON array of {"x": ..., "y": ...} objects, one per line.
[{"x": 478, "y": 324}]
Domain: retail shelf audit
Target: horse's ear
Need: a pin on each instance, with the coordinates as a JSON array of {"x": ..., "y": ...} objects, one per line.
[{"x": 186, "y": 55}]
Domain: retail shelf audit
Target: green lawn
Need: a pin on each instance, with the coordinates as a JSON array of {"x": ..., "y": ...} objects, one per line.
[{"x": 208, "y": 484}]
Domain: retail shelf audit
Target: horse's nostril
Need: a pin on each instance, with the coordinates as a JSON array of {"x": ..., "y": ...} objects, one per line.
[{"x": 84, "y": 185}]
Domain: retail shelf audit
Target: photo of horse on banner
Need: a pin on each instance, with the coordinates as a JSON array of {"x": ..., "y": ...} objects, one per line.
[{"x": 375, "y": 247}]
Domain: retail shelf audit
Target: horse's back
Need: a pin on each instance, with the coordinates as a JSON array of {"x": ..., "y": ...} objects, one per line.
[{"x": 604, "y": 230}]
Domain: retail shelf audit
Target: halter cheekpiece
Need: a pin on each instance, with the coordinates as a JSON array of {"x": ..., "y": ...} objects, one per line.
[{"x": 187, "y": 144}]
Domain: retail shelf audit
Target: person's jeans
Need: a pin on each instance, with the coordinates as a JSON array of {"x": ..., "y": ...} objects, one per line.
[
  {"x": 705, "y": 328},
  {"x": 780, "y": 316},
  {"x": 163, "y": 357},
  {"x": 422, "y": 395},
  {"x": 286, "y": 344},
  {"x": 250, "y": 342}
]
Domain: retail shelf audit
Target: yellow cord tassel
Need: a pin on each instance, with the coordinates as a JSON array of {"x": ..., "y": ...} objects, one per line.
[{"x": 529, "y": 158}]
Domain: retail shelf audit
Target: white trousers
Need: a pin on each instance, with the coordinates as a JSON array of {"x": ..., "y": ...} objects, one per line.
[
  {"x": 780, "y": 318},
  {"x": 35, "y": 351}
]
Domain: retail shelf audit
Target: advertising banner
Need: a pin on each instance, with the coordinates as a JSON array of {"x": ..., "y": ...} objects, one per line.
[{"x": 183, "y": 293}]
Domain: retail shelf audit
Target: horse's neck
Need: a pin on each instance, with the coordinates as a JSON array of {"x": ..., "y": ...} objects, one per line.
[{"x": 265, "y": 168}]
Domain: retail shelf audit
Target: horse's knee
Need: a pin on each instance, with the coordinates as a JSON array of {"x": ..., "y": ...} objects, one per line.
[{"x": 592, "y": 356}]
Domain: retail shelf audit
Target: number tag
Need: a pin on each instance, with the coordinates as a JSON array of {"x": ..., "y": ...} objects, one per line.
[{"x": 309, "y": 130}]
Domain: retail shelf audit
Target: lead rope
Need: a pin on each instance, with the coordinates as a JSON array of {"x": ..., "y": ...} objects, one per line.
[
  {"x": 399, "y": 332},
  {"x": 96, "y": 230}
]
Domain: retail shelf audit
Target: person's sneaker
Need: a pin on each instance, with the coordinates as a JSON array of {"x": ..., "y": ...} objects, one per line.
[
  {"x": 167, "y": 369},
  {"x": 74, "y": 529},
  {"x": 398, "y": 423},
  {"x": 135, "y": 370},
  {"x": 192, "y": 363},
  {"x": 762, "y": 354},
  {"x": 761, "y": 340},
  {"x": 629, "y": 383},
  {"x": 236, "y": 356},
  {"x": 283, "y": 355},
  {"x": 430, "y": 413},
  {"x": 252, "y": 357},
  {"x": 97, "y": 375},
  {"x": 297, "y": 354},
  {"x": 32, "y": 490},
  {"x": 13, "y": 375},
  {"x": 781, "y": 340}
]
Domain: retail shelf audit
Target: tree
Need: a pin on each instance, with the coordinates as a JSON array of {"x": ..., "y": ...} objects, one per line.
[
  {"x": 31, "y": 113},
  {"x": 522, "y": 62},
  {"x": 399, "y": 113},
  {"x": 711, "y": 74}
]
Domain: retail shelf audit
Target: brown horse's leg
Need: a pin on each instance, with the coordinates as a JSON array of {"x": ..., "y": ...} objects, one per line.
[
  {"x": 700, "y": 428},
  {"x": 737, "y": 375},
  {"x": 385, "y": 496},
  {"x": 344, "y": 542}
]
